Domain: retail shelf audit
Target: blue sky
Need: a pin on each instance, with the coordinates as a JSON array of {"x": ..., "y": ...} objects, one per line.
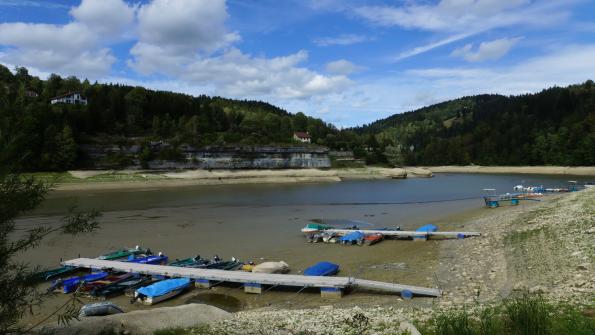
[{"x": 348, "y": 62}]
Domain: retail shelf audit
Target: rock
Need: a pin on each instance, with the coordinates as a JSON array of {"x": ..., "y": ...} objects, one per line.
[
  {"x": 538, "y": 289},
  {"x": 408, "y": 327},
  {"x": 141, "y": 321},
  {"x": 583, "y": 266},
  {"x": 519, "y": 286}
]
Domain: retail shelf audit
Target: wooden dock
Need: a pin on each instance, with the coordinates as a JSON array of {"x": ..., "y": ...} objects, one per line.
[
  {"x": 253, "y": 281},
  {"x": 406, "y": 233}
]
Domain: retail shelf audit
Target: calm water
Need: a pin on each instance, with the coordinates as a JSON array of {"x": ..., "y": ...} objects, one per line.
[
  {"x": 263, "y": 222},
  {"x": 441, "y": 187}
]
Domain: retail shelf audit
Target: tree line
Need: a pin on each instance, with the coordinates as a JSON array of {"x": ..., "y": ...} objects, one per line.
[{"x": 553, "y": 127}]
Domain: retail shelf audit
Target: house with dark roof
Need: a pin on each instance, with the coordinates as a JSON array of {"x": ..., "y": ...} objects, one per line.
[
  {"x": 72, "y": 98},
  {"x": 302, "y": 136}
]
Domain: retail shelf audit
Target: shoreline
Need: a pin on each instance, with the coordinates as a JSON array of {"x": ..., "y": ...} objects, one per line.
[
  {"x": 548, "y": 170},
  {"x": 131, "y": 179},
  {"x": 475, "y": 272}
]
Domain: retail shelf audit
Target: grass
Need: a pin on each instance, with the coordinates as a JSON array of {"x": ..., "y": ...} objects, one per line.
[{"x": 522, "y": 315}]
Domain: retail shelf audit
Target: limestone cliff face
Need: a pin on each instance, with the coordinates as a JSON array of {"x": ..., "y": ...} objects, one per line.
[
  {"x": 252, "y": 157},
  {"x": 255, "y": 158}
]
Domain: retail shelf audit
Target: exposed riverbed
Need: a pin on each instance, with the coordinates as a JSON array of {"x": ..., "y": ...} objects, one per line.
[{"x": 262, "y": 222}]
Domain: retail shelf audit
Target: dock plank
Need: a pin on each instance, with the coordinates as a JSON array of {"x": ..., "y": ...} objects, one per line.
[{"x": 249, "y": 277}]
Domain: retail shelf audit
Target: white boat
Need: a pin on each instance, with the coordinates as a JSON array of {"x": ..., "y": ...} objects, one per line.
[
  {"x": 589, "y": 184},
  {"x": 163, "y": 290},
  {"x": 271, "y": 267}
]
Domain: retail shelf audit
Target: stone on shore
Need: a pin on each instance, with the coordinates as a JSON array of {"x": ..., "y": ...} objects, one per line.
[
  {"x": 418, "y": 172},
  {"x": 141, "y": 322}
]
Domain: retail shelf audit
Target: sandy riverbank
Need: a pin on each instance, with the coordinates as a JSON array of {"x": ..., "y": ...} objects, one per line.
[
  {"x": 127, "y": 179},
  {"x": 543, "y": 248},
  {"x": 551, "y": 170}
]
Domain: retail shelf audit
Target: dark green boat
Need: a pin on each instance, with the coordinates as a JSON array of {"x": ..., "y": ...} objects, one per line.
[
  {"x": 53, "y": 273},
  {"x": 124, "y": 253}
]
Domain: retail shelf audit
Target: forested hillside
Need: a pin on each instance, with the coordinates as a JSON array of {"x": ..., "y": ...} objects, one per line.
[
  {"x": 553, "y": 127},
  {"x": 43, "y": 136}
]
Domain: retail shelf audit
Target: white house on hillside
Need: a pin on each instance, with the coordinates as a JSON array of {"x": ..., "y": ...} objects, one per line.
[
  {"x": 302, "y": 136},
  {"x": 72, "y": 98}
]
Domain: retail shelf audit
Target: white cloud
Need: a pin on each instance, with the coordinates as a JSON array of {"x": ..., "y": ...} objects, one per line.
[
  {"x": 487, "y": 50},
  {"x": 104, "y": 16},
  {"x": 427, "y": 47},
  {"x": 72, "y": 48},
  {"x": 188, "y": 40},
  {"x": 342, "y": 66},
  {"x": 463, "y": 18},
  {"x": 345, "y": 39}
]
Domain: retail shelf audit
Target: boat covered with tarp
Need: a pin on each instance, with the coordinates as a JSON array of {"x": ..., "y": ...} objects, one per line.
[
  {"x": 355, "y": 237},
  {"x": 322, "y": 269},
  {"x": 165, "y": 289},
  {"x": 271, "y": 267},
  {"x": 153, "y": 259},
  {"x": 428, "y": 228}
]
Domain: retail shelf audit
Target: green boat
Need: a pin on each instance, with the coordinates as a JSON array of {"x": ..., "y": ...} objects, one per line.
[
  {"x": 315, "y": 227},
  {"x": 53, "y": 273},
  {"x": 124, "y": 253},
  {"x": 189, "y": 262}
]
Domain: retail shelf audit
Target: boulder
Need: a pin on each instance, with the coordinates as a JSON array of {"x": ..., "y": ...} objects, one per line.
[{"x": 140, "y": 322}]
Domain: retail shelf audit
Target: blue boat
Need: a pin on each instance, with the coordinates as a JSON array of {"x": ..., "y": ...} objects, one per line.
[
  {"x": 165, "y": 289},
  {"x": 352, "y": 238},
  {"x": 322, "y": 269},
  {"x": 71, "y": 284},
  {"x": 154, "y": 259},
  {"x": 429, "y": 228}
]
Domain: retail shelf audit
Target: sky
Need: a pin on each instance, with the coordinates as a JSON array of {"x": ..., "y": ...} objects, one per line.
[{"x": 349, "y": 62}]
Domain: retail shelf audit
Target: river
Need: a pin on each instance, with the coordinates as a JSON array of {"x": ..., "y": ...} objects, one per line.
[{"x": 263, "y": 222}]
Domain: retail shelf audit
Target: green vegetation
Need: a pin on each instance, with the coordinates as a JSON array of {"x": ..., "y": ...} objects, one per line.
[
  {"x": 523, "y": 315},
  {"x": 51, "y": 137},
  {"x": 553, "y": 127}
]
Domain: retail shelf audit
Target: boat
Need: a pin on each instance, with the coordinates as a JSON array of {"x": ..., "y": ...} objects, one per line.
[
  {"x": 163, "y": 290},
  {"x": 428, "y": 228},
  {"x": 153, "y": 259},
  {"x": 589, "y": 184},
  {"x": 355, "y": 237},
  {"x": 100, "y": 309},
  {"x": 124, "y": 253},
  {"x": 322, "y": 269},
  {"x": 315, "y": 227},
  {"x": 53, "y": 273},
  {"x": 371, "y": 239},
  {"x": 87, "y": 288},
  {"x": 271, "y": 267},
  {"x": 71, "y": 284},
  {"x": 189, "y": 262},
  {"x": 121, "y": 287}
]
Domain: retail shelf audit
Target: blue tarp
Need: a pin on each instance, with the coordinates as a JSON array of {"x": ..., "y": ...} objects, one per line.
[
  {"x": 322, "y": 269},
  {"x": 352, "y": 237},
  {"x": 149, "y": 260},
  {"x": 164, "y": 287},
  {"x": 429, "y": 228}
]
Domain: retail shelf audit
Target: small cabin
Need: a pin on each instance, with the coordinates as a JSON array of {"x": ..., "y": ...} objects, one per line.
[
  {"x": 71, "y": 98},
  {"x": 31, "y": 94},
  {"x": 302, "y": 136}
]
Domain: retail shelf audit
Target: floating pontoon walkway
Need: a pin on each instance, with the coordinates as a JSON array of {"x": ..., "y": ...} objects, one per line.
[
  {"x": 253, "y": 281},
  {"x": 406, "y": 233}
]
